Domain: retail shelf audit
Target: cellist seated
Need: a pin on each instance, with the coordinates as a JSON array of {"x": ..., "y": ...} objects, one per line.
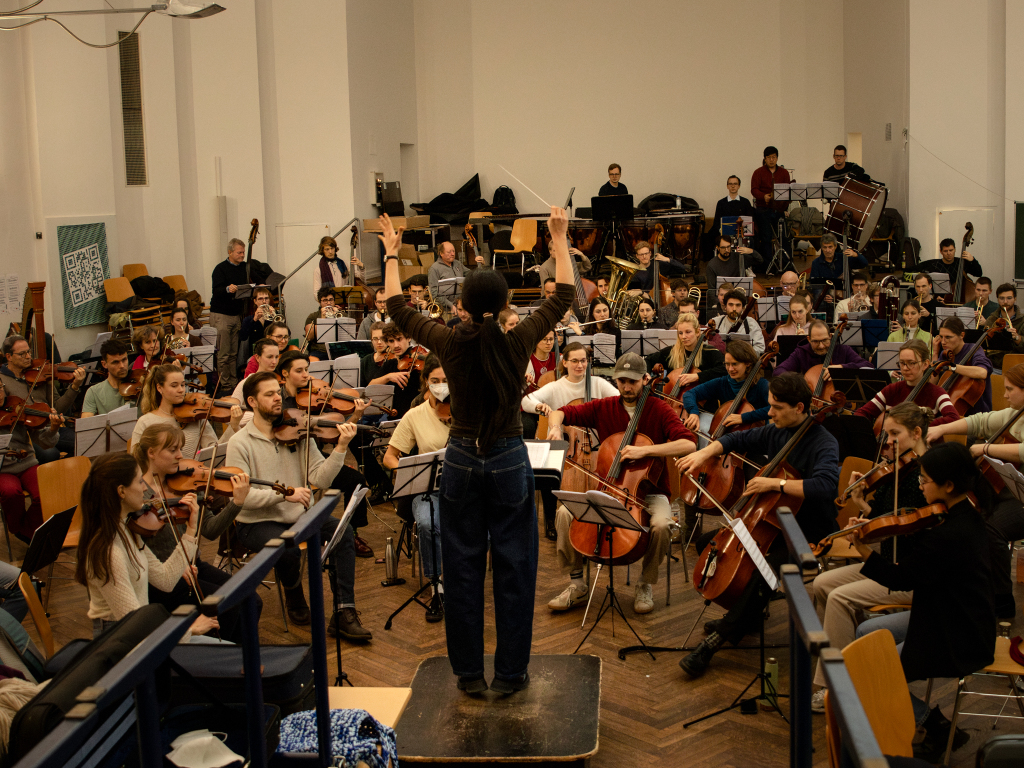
[
  {"x": 610, "y": 416},
  {"x": 815, "y": 458},
  {"x": 813, "y": 351}
]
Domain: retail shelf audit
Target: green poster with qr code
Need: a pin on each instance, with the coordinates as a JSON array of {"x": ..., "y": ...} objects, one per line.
[{"x": 83, "y": 268}]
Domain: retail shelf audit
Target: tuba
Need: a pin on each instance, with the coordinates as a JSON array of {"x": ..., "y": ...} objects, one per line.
[{"x": 624, "y": 307}]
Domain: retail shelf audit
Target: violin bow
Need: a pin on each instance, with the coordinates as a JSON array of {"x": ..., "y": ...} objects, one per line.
[
  {"x": 309, "y": 424},
  {"x": 202, "y": 507},
  {"x": 168, "y": 520}
]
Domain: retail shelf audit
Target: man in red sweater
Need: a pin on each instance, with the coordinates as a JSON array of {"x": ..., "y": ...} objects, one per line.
[
  {"x": 609, "y": 416},
  {"x": 767, "y": 211}
]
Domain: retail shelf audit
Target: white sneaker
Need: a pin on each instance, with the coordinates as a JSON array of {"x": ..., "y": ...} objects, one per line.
[
  {"x": 571, "y": 597},
  {"x": 643, "y": 600},
  {"x": 818, "y": 702}
]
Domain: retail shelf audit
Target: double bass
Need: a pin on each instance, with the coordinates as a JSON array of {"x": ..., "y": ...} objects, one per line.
[
  {"x": 722, "y": 476},
  {"x": 963, "y": 286},
  {"x": 815, "y": 375},
  {"x": 963, "y": 391},
  {"x": 724, "y": 568}
]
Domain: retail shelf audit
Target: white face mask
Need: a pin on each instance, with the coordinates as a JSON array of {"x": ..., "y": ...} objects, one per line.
[{"x": 439, "y": 391}]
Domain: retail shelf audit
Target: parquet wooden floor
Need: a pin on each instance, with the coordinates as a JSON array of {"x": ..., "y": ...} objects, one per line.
[{"x": 644, "y": 702}]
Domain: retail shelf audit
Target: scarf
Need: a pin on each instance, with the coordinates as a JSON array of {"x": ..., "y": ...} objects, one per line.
[{"x": 325, "y": 271}]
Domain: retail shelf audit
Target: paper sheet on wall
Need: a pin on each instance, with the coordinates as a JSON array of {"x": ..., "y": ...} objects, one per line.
[
  {"x": 12, "y": 293},
  {"x": 752, "y": 550}
]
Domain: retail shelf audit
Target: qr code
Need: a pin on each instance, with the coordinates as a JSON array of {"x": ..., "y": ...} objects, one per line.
[{"x": 84, "y": 273}]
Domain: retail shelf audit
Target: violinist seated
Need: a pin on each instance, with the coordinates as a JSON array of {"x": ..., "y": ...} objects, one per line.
[
  {"x": 18, "y": 472},
  {"x": 858, "y": 301},
  {"x": 647, "y": 317},
  {"x": 1006, "y": 294},
  {"x": 424, "y": 429},
  {"x": 397, "y": 369},
  {"x": 951, "y": 629},
  {"x": 1007, "y": 519},
  {"x": 176, "y": 335},
  {"x": 730, "y": 322},
  {"x": 105, "y": 396},
  {"x": 281, "y": 335},
  {"x": 610, "y": 416},
  {"x": 163, "y": 400},
  {"x": 813, "y": 351},
  {"x": 147, "y": 340},
  {"x": 643, "y": 280},
  {"x": 547, "y": 269},
  {"x": 911, "y": 328},
  {"x": 158, "y": 453},
  {"x": 708, "y": 361},
  {"x": 950, "y": 263},
  {"x": 328, "y": 309},
  {"x": 913, "y": 365},
  {"x": 681, "y": 302},
  {"x": 113, "y": 564},
  {"x": 727, "y": 262},
  {"x": 841, "y": 595},
  {"x": 816, "y": 461},
  {"x": 263, "y": 316},
  {"x": 543, "y": 364},
  {"x": 827, "y": 268},
  {"x": 978, "y": 366},
  {"x": 267, "y": 355},
  {"x": 552, "y": 396},
  {"x": 380, "y": 315},
  {"x": 266, "y": 514}
]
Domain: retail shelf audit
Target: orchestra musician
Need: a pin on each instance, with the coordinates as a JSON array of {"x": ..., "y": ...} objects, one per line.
[
  {"x": 740, "y": 357},
  {"x": 508, "y": 319},
  {"x": 613, "y": 186},
  {"x": 446, "y": 266},
  {"x": 812, "y": 352},
  {"x": 105, "y": 396},
  {"x": 982, "y": 303},
  {"x": 267, "y": 355},
  {"x": 727, "y": 260},
  {"x": 112, "y": 564},
  {"x": 610, "y": 416},
  {"x": 840, "y": 169},
  {"x": 841, "y": 595},
  {"x": 226, "y": 311},
  {"x": 734, "y": 303},
  {"x": 163, "y": 389},
  {"x": 602, "y": 286},
  {"x": 542, "y": 359},
  {"x": 829, "y": 268},
  {"x": 380, "y": 315},
  {"x": 767, "y": 210},
  {"x": 178, "y": 336},
  {"x": 911, "y": 328},
  {"x": 680, "y": 295},
  {"x": 1006, "y": 294},
  {"x": 790, "y": 282},
  {"x": 281, "y": 335},
  {"x": 423, "y": 430},
  {"x": 1007, "y": 520},
  {"x": 406, "y": 382},
  {"x": 647, "y": 317},
  {"x": 18, "y": 475},
  {"x": 643, "y": 280},
  {"x": 266, "y": 515},
  {"x": 816, "y": 460},
  {"x": 949, "y": 262},
  {"x": 418, "y": 292},
  {"x": 147, "y": 340},
  {"x": 709, "y": 359},
  {"x": 929, "y": 303},
  {"x": 913, "y": 363},
  {"x": 158, "y": 454},
  {"x": 951, "y": 339},
  {"x": 461, "y": 315},
  {"x": 600, "y": 314},
  {"x": 858, "y": 300},
  {"x": 264, "y": 315},
  {"x": 331, "y": 271},
  {"x": 486, "y": 453},
  {"x": 371, "y": 367},
  {"x": 547, "y": 268},
  {"x": 733, "y": 204},
  {"x": 797, "y": 319},
  {"x": 328, "y": 309}
]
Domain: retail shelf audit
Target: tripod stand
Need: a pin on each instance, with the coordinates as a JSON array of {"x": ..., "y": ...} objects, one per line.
[
  {"x": 328, "y": 558},
  {"x": 420, "y": 476},
  {"x": 781, "y": 255}
]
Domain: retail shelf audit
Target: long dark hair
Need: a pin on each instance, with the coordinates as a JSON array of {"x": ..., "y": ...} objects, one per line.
[
  {"x": 954, "y": 464},
  {"x": 604, "y": 324},
  {"x": 484, "y": 294},
  {"x": 101, "y": 516}
]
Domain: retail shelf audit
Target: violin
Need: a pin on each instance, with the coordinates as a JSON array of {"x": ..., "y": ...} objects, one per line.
[
  {"x": 293, "y": 427},
  {"x": 149, "y": 519},
  {"x": 193, "y": 476},
  {"x": 132, "y": 386},
  {"x": 722, "y": 476},
  {"x": 43, "y": 370},
  {"x": 629, "y": 483},
  {"x": 413, "y": 357},
  {"x": 724, "y": 570},
  {"x": 15, "y": 410},
  {"x": 340, "y": 400},
  {"x": 443, "y": 411},
  {"x": 875, "y": 476},
  {"x": 900, "y": 523},
  {"x": 197, "y": 405},
  {"x": 815, "y": 375},
  {"x": 964, "y": 392}
]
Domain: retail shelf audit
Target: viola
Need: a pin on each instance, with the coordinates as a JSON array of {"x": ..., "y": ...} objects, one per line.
[
  {"x": 722, "y": 476},
  {"x": 341, "y": 400},
  {"x": 15, "y": 410},
  {"x": 875, "y": 476},
  {"x": 964, "y": 392},
  {"x": 292, "y": 427},
  {"x": 815, "y": 375},
  {"x": 193, "y": 476},
  {"x": 724, "y": 570},
  {"x": 197, "y": 406},
  {"x": 149, "y": 519},
  {"x": 902, "y": 522},
  {"x": 629, "y": 482}
]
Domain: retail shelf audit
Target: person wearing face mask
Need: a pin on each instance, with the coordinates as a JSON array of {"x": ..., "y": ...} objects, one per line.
[
  {"x": 424, "y": 430},
  {"x": 378, "y": 316}
]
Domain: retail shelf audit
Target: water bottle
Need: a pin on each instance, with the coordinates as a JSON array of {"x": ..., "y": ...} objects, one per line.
[
  {"x": 1004, "y": 629},
  {"x": 679, "y": 203},
  {"x": 390, "y": 561},
  {"x": 771, "y": 686}
]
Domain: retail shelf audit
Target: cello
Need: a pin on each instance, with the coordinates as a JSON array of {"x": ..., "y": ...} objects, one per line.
[
  {"x": 722, "y": 476},
  {"x": 673, "y": 387},
  {"x": 965, "y": 392},
  {"x": 580, "y": 450},
  {"x": 629, "y": 484},
  {"x": 815, "y": 375},
  {"x": 724, "y": 568}
]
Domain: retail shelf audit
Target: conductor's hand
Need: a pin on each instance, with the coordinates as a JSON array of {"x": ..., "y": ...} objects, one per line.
[
  {"x": 239, "y": 488},
  {"x": 634, "y": 452},
  {"x": 392, "y": 240},
  {"x": 558, "y": 223},
  {"x": 204, "y": 624},
  {"x": 300, "y": 496},
  {"x": 692, "y": 421},
  {"x": 555, "y": 433}
]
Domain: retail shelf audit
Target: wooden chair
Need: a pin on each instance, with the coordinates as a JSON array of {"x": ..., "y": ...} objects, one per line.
[
  {"x": 1011, "y": 360},
  {"x": 131, "y": 271},
  {"x": 177, "y": 282},
  {"x": 37, "y": 612},
  {"x": 841, "y": 548},
  {"x": 874, "y": 666},
  {"x": 999, "y": 401},
  {"x": 60, "y": 488},
  {"x": 524, "y": 240},
  {"x": 118, "y": 289}
]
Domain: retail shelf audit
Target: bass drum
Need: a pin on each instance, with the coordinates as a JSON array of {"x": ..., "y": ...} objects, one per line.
[{"x": 865, "y": 203}]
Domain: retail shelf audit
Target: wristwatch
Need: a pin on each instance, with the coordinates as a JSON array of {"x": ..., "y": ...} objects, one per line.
[
  {"x": 391, "y": 256},
  {"x": 782, "y": 485}
]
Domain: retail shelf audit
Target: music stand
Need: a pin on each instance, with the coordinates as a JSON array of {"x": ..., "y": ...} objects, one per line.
[
  {"x": 96, "y": 435},
  {"x": 354, "y": 501},
  {"x": 335, "y": 329},
  {"x": 966, "y": 314},
  {"x": 1011, "y": 476},
  {"x": 201, "y": 357},
  {"x": 739, "y": 282},
  {"x": 940, "y": 283},
  {"x": 208, "y": 334},
  {"x": 339, "y": 372},
  {"x": 608, "y": 513},
  {"x": 416, "y": 476},
  {"x": 768, "y": 310},
  {"x": 647, "y": 342},
  {"x": 859, "y": 384},
  {"x": 381, "y": 394},
  {"x": 47, "y": 542},
  {"x": 612, "y": 210},
  {"x": 222, "y": 454},
  {"x": 887, "y": 356},
  {"x": 525, "y": 312},
  {"x": 449, "y": 289},
  {"x": 358, "y": 347}
]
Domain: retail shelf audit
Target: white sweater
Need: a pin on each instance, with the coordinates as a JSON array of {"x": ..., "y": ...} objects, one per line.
[
  {"x": 562, "y": 392},
  {"x": 193, "y": 440},
  {"x": 260, "y": 457}
]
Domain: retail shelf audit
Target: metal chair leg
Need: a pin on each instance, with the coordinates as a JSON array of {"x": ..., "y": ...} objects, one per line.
[{"x": 284, "y": 609}]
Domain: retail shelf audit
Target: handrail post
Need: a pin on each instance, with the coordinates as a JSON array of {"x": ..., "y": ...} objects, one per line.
[{"x": 280, "y": 287}]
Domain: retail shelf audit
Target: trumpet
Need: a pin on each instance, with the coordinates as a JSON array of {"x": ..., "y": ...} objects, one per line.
[
  {"x": 266, "y": 313},
  {"x": 331, "y": 311}
]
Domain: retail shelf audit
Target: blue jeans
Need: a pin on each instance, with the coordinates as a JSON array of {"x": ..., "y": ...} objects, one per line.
[
  {"x": 480, "y": 496},
  {"x": 12, "y": 600},
  {"x": 421, "y": 512}
]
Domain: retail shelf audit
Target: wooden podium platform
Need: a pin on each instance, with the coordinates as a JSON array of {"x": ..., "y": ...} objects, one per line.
[{"x": 554, "y": 721}]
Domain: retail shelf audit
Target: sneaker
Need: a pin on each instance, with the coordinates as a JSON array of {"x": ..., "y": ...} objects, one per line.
[
  {"x": 818, "y": 702},
  {"x": 550, "y": 533},
  {"x": 696, "y": 663},
  {"x": 435, "y": 612},
  {"x": 571, "y": 597},
  {"x": 643, "y": 599},
  {"x": 504, "y": 687},
  {"x": 295, "y": 605},
  {"x": 346, "y": 623}
]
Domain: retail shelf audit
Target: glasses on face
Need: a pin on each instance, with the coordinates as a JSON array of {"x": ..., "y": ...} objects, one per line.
[
  {"x": 643, "y": 253},
  {"x": 819, "y": 342},
  {"x": 789, "y": 285},
  {"x": 24, "y": 352},
  {"x": 923, "y": 481},
  {"x": 578, "y": 362},
  {"x": 910, "y": 364},
  {"x": 279, "y": 337},
  {"x": 838, "y": 156}
]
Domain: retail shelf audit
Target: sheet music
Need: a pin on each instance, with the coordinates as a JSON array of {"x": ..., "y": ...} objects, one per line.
[
  {"x": 1011, "y": 475},
  {"x": 335, "y": 329},
  {"x": 222, "y": 454},
  {"x": 96, "y": 435},
  {"x": 5, "y": 441},
  {"x": 966, "y": 314},
  {"x": 752, "y": 550},
  {"x": 538, "y": 452},
  {"x": 604, "y": 348},
  {"x": 887, "y": 356},
  {"x": 450, "y": 288},
  {"x": 201, "y": 357},
  {"x": 744, "y": 283},
  {"x": 940, "y": 283}
]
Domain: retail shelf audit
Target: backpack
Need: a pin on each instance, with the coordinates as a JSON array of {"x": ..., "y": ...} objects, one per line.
[{"x": 504, "y": 201}]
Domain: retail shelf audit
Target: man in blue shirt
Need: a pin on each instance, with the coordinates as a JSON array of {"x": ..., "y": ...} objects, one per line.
[{"x": 829, "y": 269}]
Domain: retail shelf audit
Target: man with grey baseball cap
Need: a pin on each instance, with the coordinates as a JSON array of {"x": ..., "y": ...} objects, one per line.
[{"x": 610, "y": 416}]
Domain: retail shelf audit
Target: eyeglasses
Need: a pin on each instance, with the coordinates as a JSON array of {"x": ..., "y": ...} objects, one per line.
[
  {"x": 923, "y": 481},
  {"x": 819, "y": 341},
  {"x": 905, "y": 364},
  {"x": 789, "y": 285},
  {"x": 27, "y": 352},
  {"x": 643, "y": 253}
]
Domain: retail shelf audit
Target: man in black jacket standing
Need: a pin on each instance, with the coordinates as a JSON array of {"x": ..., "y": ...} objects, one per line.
[{"x": 226, "y": 312}]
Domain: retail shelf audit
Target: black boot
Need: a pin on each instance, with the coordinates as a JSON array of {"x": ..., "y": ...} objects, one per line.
[
  {"x": 696, "y": 663},
  {"x": 295, "y": 604},
  {"x": 345, "y": 622},
  {"x": 932, "y": 748},
  {"x": 710, "y": 627}
]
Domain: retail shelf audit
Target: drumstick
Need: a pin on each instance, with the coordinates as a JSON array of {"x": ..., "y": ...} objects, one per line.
[{"x": 506, "y": 170}]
